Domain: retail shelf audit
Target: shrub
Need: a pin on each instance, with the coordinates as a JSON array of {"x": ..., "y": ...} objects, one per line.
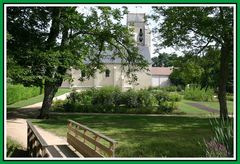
[
  {"x": 58, "y": 105},
  {"x": 107, "y": 96},
  {"x": 174, "y": 96},
  {"x": 74, "y": 97},
  {"x": 130, "y": 98},
  {"x": 112, "y": 100},
  {"x": 166, "y": 101},
  {"x": 198, "y": 94},
  {"x": 167, "y": 106},
  {"x": 18, "y": 92},
  {"x": 145, "y": 98},
  {"x": 170, "y": 88}
]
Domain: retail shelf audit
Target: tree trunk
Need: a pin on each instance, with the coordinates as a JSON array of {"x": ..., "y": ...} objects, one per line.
[
  {"x": 224, "y": 70},
  {"x": 50, "y": 89}
]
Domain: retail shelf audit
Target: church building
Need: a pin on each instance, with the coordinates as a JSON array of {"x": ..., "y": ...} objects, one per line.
[{"x": 114, "y": 75}]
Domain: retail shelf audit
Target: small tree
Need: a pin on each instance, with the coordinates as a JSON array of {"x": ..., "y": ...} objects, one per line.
[{"x": 51, "y": 40}]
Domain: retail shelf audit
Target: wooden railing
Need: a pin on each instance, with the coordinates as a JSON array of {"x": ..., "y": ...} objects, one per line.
[
  {"x": 89, "y": 142},
  {"x": 36, "y": 145}
]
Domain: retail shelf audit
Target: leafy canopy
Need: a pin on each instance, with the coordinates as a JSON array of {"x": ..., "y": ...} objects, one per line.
[{"x": 83, "y": 38}]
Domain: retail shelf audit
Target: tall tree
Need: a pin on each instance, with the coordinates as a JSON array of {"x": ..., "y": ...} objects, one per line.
[
  {"x": 164, "y": 60},
  {"x": 194, "y": 28},
  {"x": 187, "y": 70},
  {"x": 51, "y": 40}
]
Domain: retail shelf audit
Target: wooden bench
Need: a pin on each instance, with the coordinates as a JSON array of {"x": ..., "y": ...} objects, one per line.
[
  {"x": 89, "y": 142},
  {"x": 83, "y": 142}
]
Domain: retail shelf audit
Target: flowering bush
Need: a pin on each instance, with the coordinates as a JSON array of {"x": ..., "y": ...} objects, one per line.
[{"x": 215, "y": 149}]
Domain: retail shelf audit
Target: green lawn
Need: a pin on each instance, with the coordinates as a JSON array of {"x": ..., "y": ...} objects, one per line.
[
  {"x": 142, "y": 136},
  {"x": 36, "y": 99}
]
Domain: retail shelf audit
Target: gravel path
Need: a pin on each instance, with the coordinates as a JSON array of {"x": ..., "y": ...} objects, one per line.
[
  {"x": 203, "y": 107},
  {"x": 17, "y": 127}
]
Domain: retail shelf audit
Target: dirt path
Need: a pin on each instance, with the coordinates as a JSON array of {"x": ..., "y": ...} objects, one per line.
[
  {"x": 16, "y": 126},
  {"x": 17, "y": 130},
  {"x": 202, "y": 107}
]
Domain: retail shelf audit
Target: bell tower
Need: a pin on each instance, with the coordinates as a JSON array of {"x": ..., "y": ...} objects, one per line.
[{"x": 137, "y": 22}]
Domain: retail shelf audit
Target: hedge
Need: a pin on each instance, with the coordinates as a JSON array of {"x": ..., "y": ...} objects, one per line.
[
  {"x": 113, "y": 100},
  {"x": 18, "y": 92}
]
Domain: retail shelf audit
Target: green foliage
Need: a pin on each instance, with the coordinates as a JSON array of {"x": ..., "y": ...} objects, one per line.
[
  {"x": 187, "y": 71},
  {"x": 193, "y": 29},
  {"x": 130, "y": 98},
  {"x": 172, "y": 88},
  {"x": 164, "y": 59},
  {"x": 145, "y": 98},
  {"x": 167, "y": 101},
  {"x": 18, "y": 92},
  {"x": 92, "y": 33},
  {"x": 174, "y": 96},
  {"x": 51, "y": 40},
  {"x": 210, "y": 62},
  {"x": 112, "y": 100},
  {"x": 106, "y": 96},
  {"x": 195, "y": 93}
]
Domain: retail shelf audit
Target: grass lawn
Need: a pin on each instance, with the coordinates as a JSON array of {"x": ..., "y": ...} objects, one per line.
[
  {"x": 36, "y": 99},
  {"x": 142, "y": 136}
]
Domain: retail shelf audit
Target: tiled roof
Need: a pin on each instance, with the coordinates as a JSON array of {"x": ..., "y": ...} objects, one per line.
[
  {"x": 143, "y": 50},
  {"x": 161, "y": 70}
]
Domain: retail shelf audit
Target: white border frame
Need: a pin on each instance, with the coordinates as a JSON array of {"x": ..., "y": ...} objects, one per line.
[{"x": 134, "y": 158}]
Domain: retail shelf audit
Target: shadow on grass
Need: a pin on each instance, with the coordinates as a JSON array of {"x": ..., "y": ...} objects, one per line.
[
  {"x": 142, "y": 136},
  {"x": 25, "y": 113}
]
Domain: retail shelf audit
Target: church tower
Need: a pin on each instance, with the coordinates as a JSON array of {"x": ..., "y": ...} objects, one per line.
[{"x": 142, "y": 33}]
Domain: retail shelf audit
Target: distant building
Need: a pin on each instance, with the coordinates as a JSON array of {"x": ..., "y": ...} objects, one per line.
[
  {"x": 160, "y": 76},
  {"x": 113, "y": 75}
]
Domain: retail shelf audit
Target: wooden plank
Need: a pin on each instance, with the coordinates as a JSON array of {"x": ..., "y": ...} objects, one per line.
[
  {"x": 94, "y": 132},
  {"x": 39, "y": 137},
  {"x": 94, "y": 142},
  {"x": 53, "y": 151},
  {"x": 67, "y": 151},
  {"x": 81, "y": 147}
]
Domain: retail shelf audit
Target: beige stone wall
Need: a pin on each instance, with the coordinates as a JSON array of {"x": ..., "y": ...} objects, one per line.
[{"x": 116, "y": 78}]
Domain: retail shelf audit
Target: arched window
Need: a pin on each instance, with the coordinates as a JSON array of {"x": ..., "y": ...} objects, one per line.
[
  {"x": 83, "y": 74},
  {"x": 107, "y": 73},
  {"x": 140, "y": 35}
]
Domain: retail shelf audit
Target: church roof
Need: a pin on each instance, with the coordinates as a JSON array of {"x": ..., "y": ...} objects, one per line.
[
  {"x": 143, "y": 50},
  {"x": 161, "y": 70}
]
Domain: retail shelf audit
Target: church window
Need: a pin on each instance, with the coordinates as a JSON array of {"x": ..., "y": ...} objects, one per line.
[
  {"x": 83, "y": 74},
  {"x": 140, "y": 35},
  {"x": 107, "y": 73}
]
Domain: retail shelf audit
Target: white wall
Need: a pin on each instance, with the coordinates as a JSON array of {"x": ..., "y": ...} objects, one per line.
[{"x": 160, "y": 80}]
